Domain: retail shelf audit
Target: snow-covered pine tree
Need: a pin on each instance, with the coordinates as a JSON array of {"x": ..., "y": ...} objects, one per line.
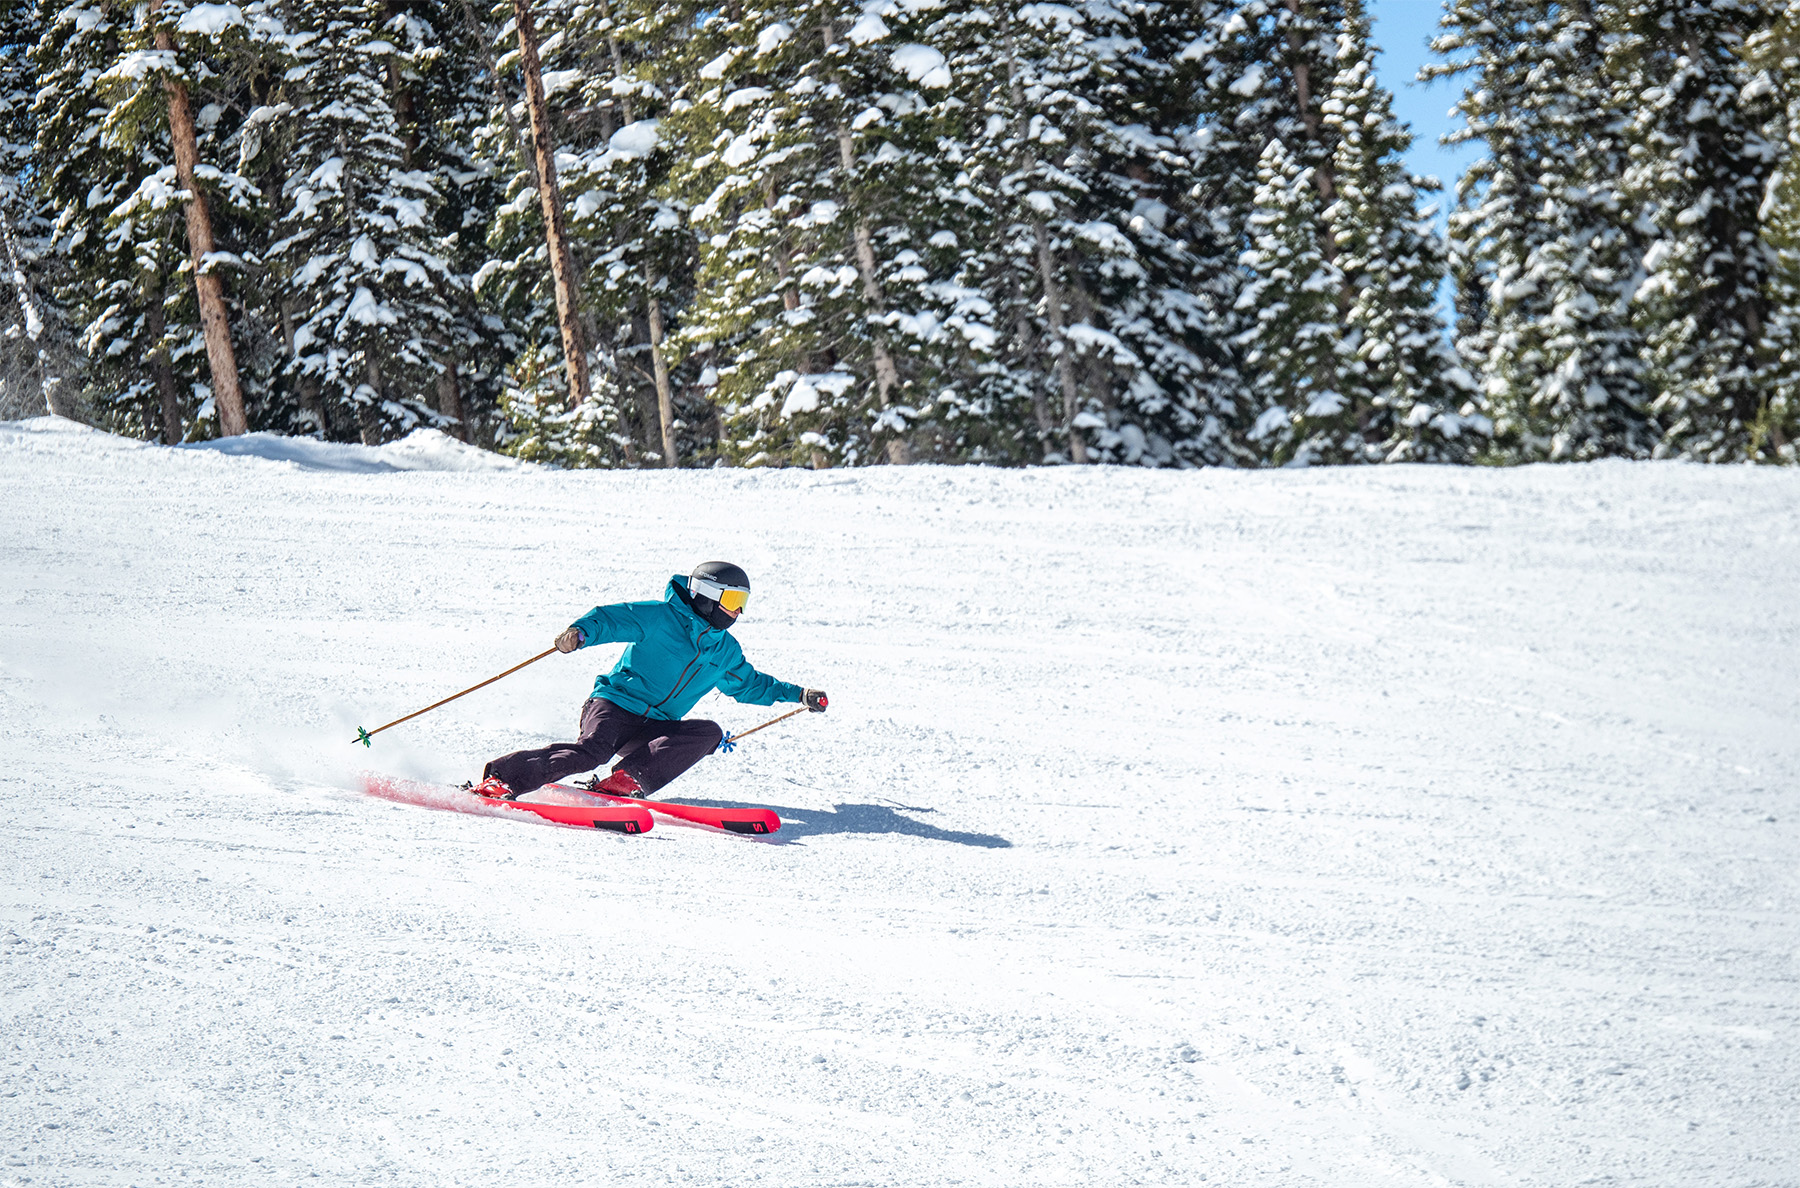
[
  {"x": 147, "y": 372},
  {"x": 882, "y": 168},
  {"x": 184, "y": 37},
  {"x": 368, "y": 301},
  {"x": 1544, "y": 246},
  {"x": 1249, "y": 58},
  {"x": 794, "y": 193},
  {"x": 744, "y": 267},
  {"x": 637, "y": 241},
  {"x": 107, "y": 167},
  {"x": 866, "y": 240},
  {"x": 36, "y": 367},
  {"x": 1157, "y": 271},
  {"x": 1774, "y": 53},
  {"x": 1702, "y": 162},
  {"x": 895, "y": 258},
  {"x": 1259, "y": 65},
  {"x": 80, "y": 175},
  {"x": 442, "y": 102},
  {"x": 1405, "y": 395},
  {"x": 1048, "y": 73},
  {"x": 1340, "y": 337},
  {"x": 517, "y": 283},
  {"x": 1101, "y": 271},
  {"x": 1291, "y": 346},
  {"x": 984, "y": 397}
]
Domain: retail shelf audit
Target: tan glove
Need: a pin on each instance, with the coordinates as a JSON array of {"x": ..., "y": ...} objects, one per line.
[{"x": 569, "y": 640}]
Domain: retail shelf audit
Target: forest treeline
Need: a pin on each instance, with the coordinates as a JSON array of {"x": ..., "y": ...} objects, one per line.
[{"x": 781, "y": 232}]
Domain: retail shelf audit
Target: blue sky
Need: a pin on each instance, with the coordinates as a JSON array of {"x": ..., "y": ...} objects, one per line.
[{"x": 1403, "y": 29}]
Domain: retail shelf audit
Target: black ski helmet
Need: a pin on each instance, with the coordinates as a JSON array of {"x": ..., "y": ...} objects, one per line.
[{"x": 716, "y": 576}]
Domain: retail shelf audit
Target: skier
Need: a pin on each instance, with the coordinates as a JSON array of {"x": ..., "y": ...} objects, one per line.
[{"x": 677, "y": 650}]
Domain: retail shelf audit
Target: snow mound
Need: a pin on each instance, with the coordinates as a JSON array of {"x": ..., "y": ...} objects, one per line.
[
  {"x": 422, "y": 449},
  {"x": 56, "y": 431}
]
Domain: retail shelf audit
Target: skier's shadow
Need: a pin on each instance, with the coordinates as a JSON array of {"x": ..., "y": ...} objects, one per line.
[{"x": 797, "y": 823}]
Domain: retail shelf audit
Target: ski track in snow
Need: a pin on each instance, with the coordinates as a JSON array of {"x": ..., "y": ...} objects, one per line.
[{"x": 1400, "y": 826}]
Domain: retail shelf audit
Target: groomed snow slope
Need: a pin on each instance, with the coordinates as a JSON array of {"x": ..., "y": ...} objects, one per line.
[{"x": 1395, "y": 826}]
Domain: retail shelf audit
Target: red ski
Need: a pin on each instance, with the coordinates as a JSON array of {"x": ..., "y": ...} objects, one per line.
[
  {"x": 612, "y": 817},
  {"x": 737, "y": 820},
  {"x": 618, "y": 818}
]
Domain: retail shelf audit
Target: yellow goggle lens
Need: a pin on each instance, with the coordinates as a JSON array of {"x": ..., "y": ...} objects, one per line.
[{"x": 734, "y": 600}]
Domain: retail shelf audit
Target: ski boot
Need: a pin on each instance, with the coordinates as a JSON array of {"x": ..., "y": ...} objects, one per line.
[
  {"x": 619, "y": 783},
  {"x": 493, "y": 789}
]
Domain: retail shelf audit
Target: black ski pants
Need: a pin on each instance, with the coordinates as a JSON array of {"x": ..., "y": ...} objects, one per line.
[{"x": 651, "y": 752}]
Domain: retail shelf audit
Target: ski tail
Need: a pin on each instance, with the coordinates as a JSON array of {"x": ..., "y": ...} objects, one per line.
[
  {"x": 734, "y": 820},
  {"x": 613, "y": 818}
]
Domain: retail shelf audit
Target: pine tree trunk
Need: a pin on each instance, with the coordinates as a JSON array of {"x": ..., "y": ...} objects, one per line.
[
  {"x": 665, "y": 398},
  {"x": 1097, "y": 369},
  {"x": 215, "y": 321},
  {"x": 784, "y": 259},
  {"x": 1065, "y": 364},
  {"x": 51, "y": 385},
  {"x": 1065, "y": 371},
  {"x": 887, "y": 376},
  {"x": 562, "y": 268},
  {"x": 168, "y": 395},
  {"x": 366, "y": 420},
  {"x": 306, "y": 390},
  {"x": 1040, "y": 408},
  {"x": 1324, "y": 176},
  {"x": 450, "y": 397},
  {"x": 406, "y": 114},
  {"x": 618, "y": 63}
]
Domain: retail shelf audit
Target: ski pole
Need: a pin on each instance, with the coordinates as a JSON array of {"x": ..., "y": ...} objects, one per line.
[
  {"x": 364, "y": 736},
  {"x": 730, "y": 741}
]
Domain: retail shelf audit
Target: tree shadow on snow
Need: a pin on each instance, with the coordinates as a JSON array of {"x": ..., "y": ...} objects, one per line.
[{"x": 797, "y": 823}]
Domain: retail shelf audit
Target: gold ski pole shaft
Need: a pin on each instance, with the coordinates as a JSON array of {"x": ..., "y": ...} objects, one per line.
[{"x": 364, "y": 736}]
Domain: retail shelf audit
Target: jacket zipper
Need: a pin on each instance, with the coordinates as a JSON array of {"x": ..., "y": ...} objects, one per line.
[{"x": 682, "y": 680}]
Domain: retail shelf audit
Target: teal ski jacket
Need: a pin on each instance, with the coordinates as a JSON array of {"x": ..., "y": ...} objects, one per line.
[{"x": 673, "y": 658}]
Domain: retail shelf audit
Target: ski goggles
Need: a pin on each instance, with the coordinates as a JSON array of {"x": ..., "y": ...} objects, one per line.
[{"x": 732, "y": 598}]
